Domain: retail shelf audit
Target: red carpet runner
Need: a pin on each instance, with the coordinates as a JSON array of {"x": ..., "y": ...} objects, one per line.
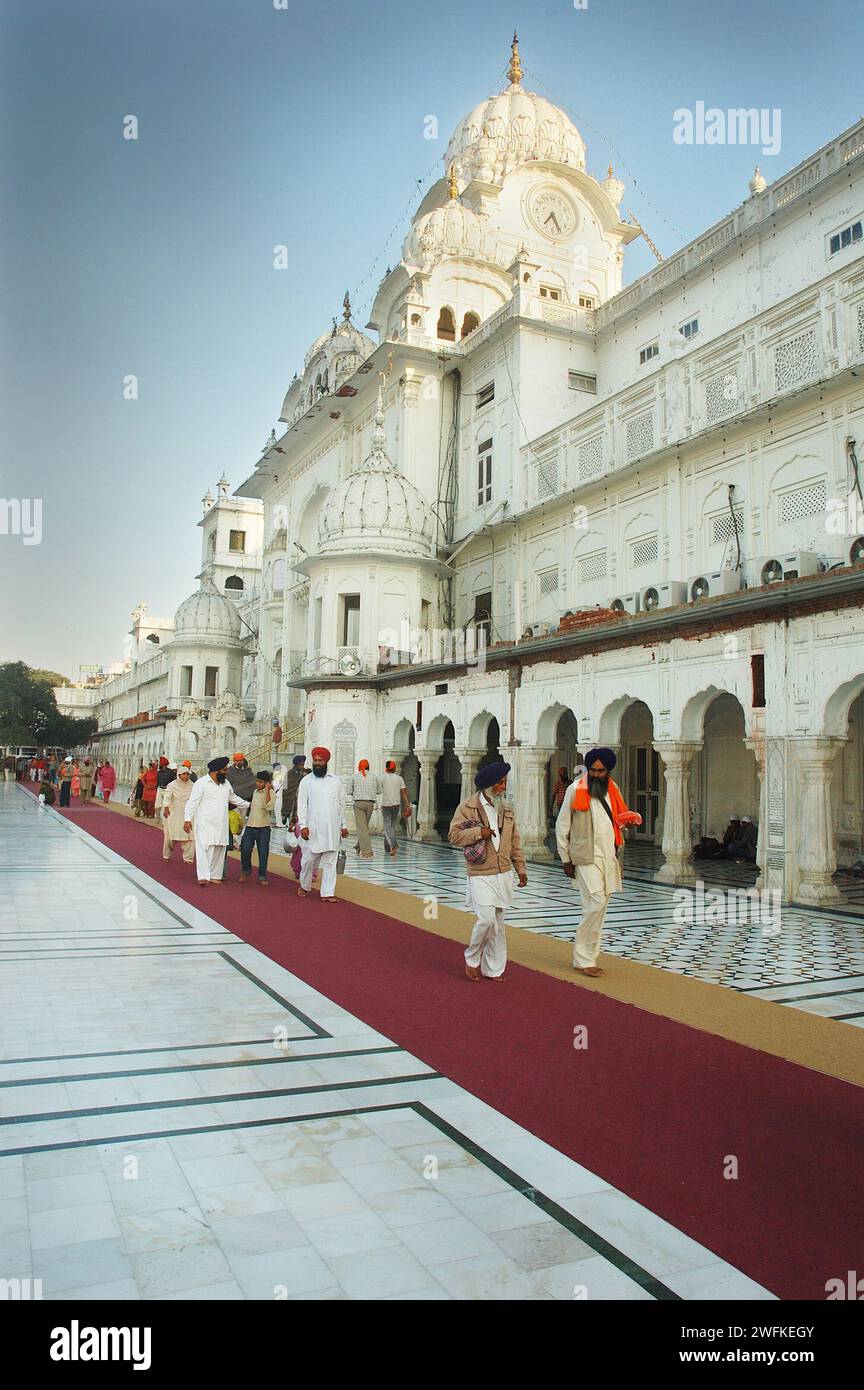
[{"x": 652, "y": 1106}]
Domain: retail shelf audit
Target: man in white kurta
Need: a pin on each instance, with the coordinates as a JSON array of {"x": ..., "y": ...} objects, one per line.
[
  {"x": 207, "y": 812},
  {"x": 321, "y": 817},
  {"x": 598, "y": 880}
]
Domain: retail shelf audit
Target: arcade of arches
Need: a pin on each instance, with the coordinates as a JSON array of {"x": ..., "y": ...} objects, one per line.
[{"x": 686, "y": 790}]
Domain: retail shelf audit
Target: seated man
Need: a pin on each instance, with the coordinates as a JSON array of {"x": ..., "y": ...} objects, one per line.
[
  {"x": 730, "y": 834},
  {"x": 743, "y": 844}
]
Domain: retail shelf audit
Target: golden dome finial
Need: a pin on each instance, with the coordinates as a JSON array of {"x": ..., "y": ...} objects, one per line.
[
  {"x": 514, "y": 71},
  {"x": 609, "y": 170},
  {"x": 452, "y": 184}
]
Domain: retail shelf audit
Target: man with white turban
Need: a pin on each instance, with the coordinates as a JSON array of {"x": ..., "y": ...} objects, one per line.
[
  {"x": 321, "y": 817},
  {"x": 589, "y": 836}
]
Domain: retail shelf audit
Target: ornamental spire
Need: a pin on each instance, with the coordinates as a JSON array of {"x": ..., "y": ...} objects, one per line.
[
  {"x": 453, "y": 185},
  {"x": 379, "y": 438},
  {"x": 514, "y": 71},
  {"x": 346, "y": 307}
]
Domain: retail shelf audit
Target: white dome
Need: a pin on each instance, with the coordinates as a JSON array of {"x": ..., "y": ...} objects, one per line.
[
  {"x": 376, "y": 509},
  {"x": 452, "y": 229},
  {"x": 343, "y": 337},
  {"x": 206, "y": 613},
  {"x": 510, "y": 128}
]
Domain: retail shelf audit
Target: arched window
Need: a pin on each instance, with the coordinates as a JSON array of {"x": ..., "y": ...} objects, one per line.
[
  {"x": 234, "y": 584},
  {"x": 469, "y": 323},
  {"x": 278, "y": 576},
  {"x": 277, "y": 662},
  {"x": 447, "y": 325}
]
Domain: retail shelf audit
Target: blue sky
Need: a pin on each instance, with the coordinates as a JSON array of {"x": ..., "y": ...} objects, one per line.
[{"x": 304, "y": 126}]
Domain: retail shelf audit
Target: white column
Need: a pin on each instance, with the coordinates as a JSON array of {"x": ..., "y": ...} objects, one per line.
[
  {"x": 817, "y": 854},
  {"x": 677, "y": 848},
  {"x": 757, "y": 747},
  {"x": 531, "y": 808},
  {"x": 469, "y": 759},
  {"x": 427, "y": 805}
]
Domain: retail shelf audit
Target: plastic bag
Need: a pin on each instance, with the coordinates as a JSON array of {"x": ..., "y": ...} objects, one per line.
[
  {"x": 235, "y": 822},
  {"x": 291, "y": 841},
  {"x": 340, "y": 862}
]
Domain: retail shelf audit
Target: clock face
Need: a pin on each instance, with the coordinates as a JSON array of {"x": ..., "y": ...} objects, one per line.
[{"x": 552, "y": 213}]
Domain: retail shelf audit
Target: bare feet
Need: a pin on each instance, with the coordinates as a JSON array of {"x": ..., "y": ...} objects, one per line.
[
  {"x": 472, "y": 972},
  {"x": 329, "y": 900},
  {"x": 301, "y": 892},
  {"x": 497, "y": 979},
  {"x": 203, "y": 883},
  {"x": 592, "y": 971}
]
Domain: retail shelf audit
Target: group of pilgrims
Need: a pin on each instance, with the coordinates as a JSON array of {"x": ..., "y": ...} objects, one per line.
[{"x": 203, "y": 814}]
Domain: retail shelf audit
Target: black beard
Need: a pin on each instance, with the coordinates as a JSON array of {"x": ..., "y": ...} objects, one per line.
[
  {"x": 320, "y": 771},
  {"x": 220, "y": 776},
  {"x": 598, "y": 786}
]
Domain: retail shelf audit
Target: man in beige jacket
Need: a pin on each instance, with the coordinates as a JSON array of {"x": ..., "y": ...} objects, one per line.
[{"x": 480, "y": 824}]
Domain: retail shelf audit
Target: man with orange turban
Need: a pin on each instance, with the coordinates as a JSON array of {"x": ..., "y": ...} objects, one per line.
[
  {"x": 321, "y": 817},
  {"x": 590, "y": 840},
  {"x": 364, "y": 794}
]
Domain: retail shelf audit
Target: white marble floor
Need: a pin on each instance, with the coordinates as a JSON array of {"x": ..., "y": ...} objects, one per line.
[{"x": 182, "y": 1118}]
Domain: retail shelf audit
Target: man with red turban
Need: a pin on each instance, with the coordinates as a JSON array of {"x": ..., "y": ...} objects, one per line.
[
  {"x": 590, "y": 840},
  {"x": 321, "y": 817}
]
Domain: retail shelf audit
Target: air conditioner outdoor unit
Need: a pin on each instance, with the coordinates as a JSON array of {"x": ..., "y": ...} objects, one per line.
[
  {"x": 781, "y": 567},
  {"x": 539, "y": 630},
  {"x": 710, "y": 585},
  {"x": 856, "y": 551},
  {"x": 626, "y": 603},
  {"x": 663, "y": 595}
]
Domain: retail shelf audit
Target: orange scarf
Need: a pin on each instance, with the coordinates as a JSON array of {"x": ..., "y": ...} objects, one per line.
[{"x": 582, "y": 802}]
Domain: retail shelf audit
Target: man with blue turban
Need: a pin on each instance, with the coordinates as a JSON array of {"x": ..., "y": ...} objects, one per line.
[
  {"x": 589, "y": 835},
  {"x": 484, "y": 828}
]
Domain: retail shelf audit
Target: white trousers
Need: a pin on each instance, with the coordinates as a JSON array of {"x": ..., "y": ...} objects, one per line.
[
  {"x": 209, "y": 860},
  {"x": 489, "y": 897},
  {"x": 586, "y": 945},
  {"x": 311, "y": 860}
]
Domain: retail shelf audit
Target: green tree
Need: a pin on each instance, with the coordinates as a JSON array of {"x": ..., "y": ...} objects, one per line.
[
  {"x": 29, "y": 713},
  {"x": 49, "y": 677},
  {"x": 27, "y": 708}
]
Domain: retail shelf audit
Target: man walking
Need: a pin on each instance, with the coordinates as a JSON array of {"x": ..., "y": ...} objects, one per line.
[
  {"x": 484, "y": 826},
  {"x": 65, "y": 778},
  {"x": 207, "y": 809},
  {"x": 165, "y": 776},
  {"x": 394, "y": 797},
  {"x": 257, "y": 831},
  {"x": 364, "y": 793},
  {"x": 589, "y": 835},
  {"x": 85, "y": 777},
  {"x": 321, "y": 816},
  {"x": 175, "y": 801}
]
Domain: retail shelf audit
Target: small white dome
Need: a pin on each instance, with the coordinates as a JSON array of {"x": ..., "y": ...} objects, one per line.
[
  {"x": 206, "y": 613},
  {"x": 452, "y": 229},
  {"x": 757, "y": 184},
  {"x": 376, "y": 508}
]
